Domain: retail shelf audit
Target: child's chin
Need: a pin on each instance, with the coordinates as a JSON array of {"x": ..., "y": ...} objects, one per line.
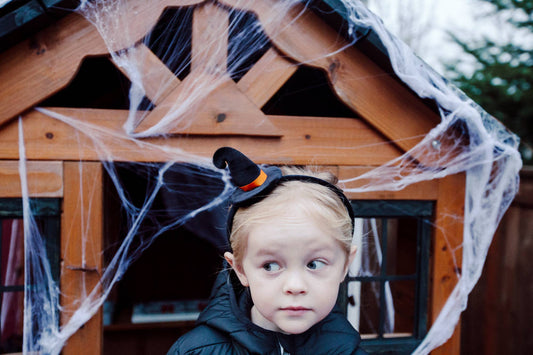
[{"x": 293, "y": 330}]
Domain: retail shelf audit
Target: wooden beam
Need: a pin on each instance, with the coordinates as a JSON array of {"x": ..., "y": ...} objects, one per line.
[
  {"x": 424, "y": 190},
  {"x": 447, "y": 252},
  {"x": 81, "y": 250},
  {"x": 45, "y": 179},
  {"x": 359, "y": 82},
  {"x": 342, "y": 141},
  {"x": 158, "y": 81},
  {"x": 137, "y": 17},
  {"x": 266, "y": 77},
  {"x": 216, "y": 108},
  {"x": 40, "y": 66},
  {"x": 209, "y": 50},
  {"x": 208, "y": 101}
]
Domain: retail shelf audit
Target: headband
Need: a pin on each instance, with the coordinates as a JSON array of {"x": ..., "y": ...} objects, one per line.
[{"x": 255, "y": 183}]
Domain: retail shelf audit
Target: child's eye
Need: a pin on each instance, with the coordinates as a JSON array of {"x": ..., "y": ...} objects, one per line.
[
  {"x": 272, "y": 266},
  {"x": 315, "y": 264}
]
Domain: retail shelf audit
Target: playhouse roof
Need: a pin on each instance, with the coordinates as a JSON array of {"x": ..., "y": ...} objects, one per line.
[{"x": 21, "y": 19}]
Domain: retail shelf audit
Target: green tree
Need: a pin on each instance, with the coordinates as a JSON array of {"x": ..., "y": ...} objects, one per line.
[{"x": 502, "y": 81}]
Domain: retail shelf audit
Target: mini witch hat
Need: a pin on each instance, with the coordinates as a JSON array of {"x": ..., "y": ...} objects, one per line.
[{"x": 252, "y": 182}]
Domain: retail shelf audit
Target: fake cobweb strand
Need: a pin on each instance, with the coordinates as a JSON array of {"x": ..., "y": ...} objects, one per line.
[
  {"x": 486, "y": 197},
  {"x": 40, "y": 307},
  {"x": 41, "y": 294},
  {"x": 485, "y": 202}
]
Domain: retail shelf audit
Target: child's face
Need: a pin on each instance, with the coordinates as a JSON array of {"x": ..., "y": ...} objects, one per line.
[{"x": 293, "y": 271}]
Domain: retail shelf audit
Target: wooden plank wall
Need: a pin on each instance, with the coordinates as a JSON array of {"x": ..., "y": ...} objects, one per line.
[
  {"x": 446, "y": 259},
  {"x": 500, "y": 308},
  {"x": 81, "y": 266}
]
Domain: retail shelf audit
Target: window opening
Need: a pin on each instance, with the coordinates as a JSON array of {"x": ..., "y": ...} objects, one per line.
[
  {"x": 247, "y": 43},
  {"x": 170, "y": 40},
  {"x": 165, "y": 288},
  {"x": 386, "y": 294},
  {"x": 47, "y": 217},
  {"x": 98, "y": 84},
  {"x": 307, "y": 93}
]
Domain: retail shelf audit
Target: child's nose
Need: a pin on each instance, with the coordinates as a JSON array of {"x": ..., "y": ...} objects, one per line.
[{"x": 294, "y": 284}]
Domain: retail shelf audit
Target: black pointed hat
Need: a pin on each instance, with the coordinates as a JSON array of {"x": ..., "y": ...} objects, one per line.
[{"x": 251, "y": 181}]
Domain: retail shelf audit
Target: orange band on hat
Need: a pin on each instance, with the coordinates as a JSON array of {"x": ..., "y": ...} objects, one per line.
[{"x": 256, "y": 183}]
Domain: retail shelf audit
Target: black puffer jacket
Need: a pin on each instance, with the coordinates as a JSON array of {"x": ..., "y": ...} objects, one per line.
[{"x": 224, "y": 327}]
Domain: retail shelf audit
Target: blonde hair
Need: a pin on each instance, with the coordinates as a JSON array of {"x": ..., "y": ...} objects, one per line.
[{"x": 313, "y": 199}]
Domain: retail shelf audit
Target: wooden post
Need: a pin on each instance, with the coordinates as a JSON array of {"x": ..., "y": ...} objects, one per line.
[
  {"x": 81, "y": 250},
  {"x": 266, "y": 77},
  {"x": 158, "y": 80},
  {"x": 210, "y": 39},
  {"x": 447, "y": 252}
]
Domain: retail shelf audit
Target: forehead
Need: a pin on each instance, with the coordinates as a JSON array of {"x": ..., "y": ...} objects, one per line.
[
  {"x": 292, "y": 215},
  {"x": 294, "y": 229}
]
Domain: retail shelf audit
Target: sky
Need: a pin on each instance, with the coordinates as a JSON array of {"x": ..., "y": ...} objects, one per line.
[{"x": 429, "y": 22}]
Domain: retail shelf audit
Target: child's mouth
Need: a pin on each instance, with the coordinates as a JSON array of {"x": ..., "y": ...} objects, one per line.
[{"x": 295, "y": 310}]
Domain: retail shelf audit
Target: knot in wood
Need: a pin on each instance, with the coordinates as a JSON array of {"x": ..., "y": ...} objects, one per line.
[
  {"x": 333, "y": 68},
  {"x": 221, "y": 117},
  {"x": 36, "y": 46}
]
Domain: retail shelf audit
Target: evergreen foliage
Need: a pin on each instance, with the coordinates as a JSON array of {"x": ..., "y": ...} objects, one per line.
[{"x": 502, "y": 82}]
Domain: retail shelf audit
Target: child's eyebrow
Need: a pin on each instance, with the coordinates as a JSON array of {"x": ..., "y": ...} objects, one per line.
[
  {"x": 318, "y": 246},
  {"x": 322, "y": 252},
  {"x": 311, "y": 250},
  {"x": 266, "y": 252}
]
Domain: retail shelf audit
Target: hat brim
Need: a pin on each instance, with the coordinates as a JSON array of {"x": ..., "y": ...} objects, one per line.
[{"x": 243, "y": 198}]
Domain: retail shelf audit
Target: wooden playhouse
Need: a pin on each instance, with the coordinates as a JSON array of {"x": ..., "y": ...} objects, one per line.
[{"x": 347, "y": 99}]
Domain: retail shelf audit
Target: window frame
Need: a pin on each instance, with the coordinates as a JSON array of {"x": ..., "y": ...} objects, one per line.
[
  {"x": 48, "y": 212},
  {"x": 423, "y": 211}
]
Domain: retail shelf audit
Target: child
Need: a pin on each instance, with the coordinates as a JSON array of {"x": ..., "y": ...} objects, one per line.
[{"x": 290, "y": 237}]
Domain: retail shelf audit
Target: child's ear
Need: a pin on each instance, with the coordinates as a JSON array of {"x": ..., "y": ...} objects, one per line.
[
  {"x": 351, "y": 257},
  {"x": 237, "y": 268}
]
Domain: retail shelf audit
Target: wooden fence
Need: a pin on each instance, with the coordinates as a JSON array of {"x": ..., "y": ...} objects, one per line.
[{"x": 500, "y": 309}]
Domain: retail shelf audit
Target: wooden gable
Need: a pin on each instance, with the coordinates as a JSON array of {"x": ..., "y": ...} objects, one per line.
[{"x": 38, "y": 67}]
